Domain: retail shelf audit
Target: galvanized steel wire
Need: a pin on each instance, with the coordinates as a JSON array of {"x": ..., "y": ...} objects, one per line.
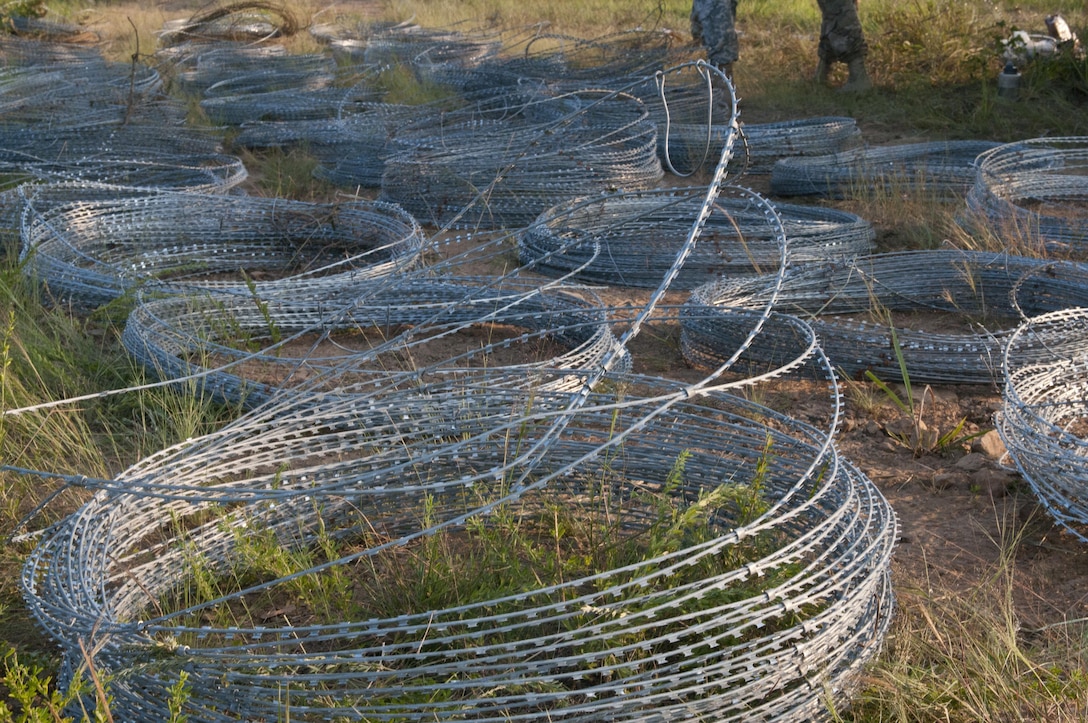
[
  {"x": 378, "y": 466},
  {"x": 704, "y": 654},
  {"x": 551, "y": 149},
  {"x": 1043, "y": 412},
  {"x": 944, "y": 169},
  {"x": 90, "y": 244},
  {"x": 848, "y": 304},
  {"x": 629, "y": 239},
  {"x": 1033, "y": 194},
  {"x": 381, "y": 336}
]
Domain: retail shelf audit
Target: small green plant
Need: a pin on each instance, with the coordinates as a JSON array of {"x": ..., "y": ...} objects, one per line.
[
  {"x": 919, "y": 438},
  {"x": 34, "y": 697}
]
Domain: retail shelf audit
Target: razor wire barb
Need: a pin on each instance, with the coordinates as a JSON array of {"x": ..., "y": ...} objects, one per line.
[{"x": 456, "y": 451}]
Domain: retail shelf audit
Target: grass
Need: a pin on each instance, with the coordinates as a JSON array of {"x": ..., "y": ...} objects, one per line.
[
  {"x": 963, "y": 654},
  {"x": 970, "y": 654}
]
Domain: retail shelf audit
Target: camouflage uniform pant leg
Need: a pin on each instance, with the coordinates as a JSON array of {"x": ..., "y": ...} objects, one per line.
[
  {"x": 713, "y": 25},
  {"x": 841, "y": 38}
]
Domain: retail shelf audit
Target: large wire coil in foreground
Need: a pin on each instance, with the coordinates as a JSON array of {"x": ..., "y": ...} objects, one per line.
[
  {"x": 855, "y": 308},
  {"x": 1034, "y": 194},
  {"x": 944, "y": 169},
  {"x": 770, "y": 613},
  {"x": 631, "y": 238},
  {"x": 419, "y": 329},
  {"x": 1045, "y": 409},
  {"x": 90, "y": 243}
]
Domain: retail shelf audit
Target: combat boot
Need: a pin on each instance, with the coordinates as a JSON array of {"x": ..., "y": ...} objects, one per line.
[
  {"x": 823, "y": 71},
  {"x": 858, "y": 78}
]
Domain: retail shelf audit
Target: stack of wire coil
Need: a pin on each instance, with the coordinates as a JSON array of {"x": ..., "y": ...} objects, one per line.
[
  {"x": 850, "y": 305},
  {"x": 552, "y": 149},
  {"x": 1045, "y": 410},
  {"x": 768, "y": 609},
  {"x": 90, "y": 243},
  {"x": 381, "y": 334},
  {"x": 1032, "y": 194},
  {"x": 629, "y": 239},
  {"x": 944, "y": 169},
  {"x": 733, "y": 626},
  {"x": 197, "y": 173}
]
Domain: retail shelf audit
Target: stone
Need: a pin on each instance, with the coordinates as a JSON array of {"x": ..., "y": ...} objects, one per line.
[
  {"x": 989, "y": 444},
  {"x": 947, "y": 480},
  {"x": 972, "y": 462},
  {"x": 994, "y": 483}
]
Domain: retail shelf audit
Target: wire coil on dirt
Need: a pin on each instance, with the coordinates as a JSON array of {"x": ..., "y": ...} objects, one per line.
[
  {"x": 945, "y": 169},
  {"x": 92, "y": 243},
  {"x": 629, "y": 239},
  {"x": 743, "y": 571},
  {"x": 1033, "y": 194},
  {"x": 417, "y": 330},
  {"x": 553, "y": 148},
  {"x": 848, "y": 305},
  {"x": 728, "y": 623},
  {"x": 1043, "y": 412}
]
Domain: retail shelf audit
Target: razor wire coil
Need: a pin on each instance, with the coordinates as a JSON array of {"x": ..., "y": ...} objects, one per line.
[
  {"x": 543, "y": 645},
  {"x": 628, "y": 239},
  {"x": 1032, "y": 194},
  {"x": 178, "y": 337},
  {"x": 945, "y": 169},
  {"x": 1043, "y": 412},
  {"x": 988, "y": 291},
  {"x": 442, "y": 176},
  {"x": 92, "y": 243}
]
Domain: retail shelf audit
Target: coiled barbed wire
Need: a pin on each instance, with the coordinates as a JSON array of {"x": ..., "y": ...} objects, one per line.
[
  {"x": 632, "y": 237},
  {"x": 406, "y": 329},
  {"x": 90, "y": 243},
  {"x": 987, "y": 292},
  {"x": 945, "y": 169},
  {"x": 207, "y": 173},
  {"x": 1043, "y": 412},
  {"x": 504, "y": 173},
  {"x": 1033, "y": 194},
  {"x": 291, "y": 94},
  {"x": 720, "y": 646},
  {"x": 771, "y": 613}
]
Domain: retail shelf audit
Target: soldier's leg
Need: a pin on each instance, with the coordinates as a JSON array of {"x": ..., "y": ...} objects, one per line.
[
  {"x": 713, "y": 23},
  {"x": 842, "y": 40}
]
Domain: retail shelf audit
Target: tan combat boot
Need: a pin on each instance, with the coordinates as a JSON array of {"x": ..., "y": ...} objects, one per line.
[{"x": 858, "y": 79}]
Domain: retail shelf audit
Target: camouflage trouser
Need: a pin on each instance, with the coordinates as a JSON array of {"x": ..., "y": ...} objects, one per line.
[
  {"x": 841, "y": 39},
  {"x": 712, "y": 24}
]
